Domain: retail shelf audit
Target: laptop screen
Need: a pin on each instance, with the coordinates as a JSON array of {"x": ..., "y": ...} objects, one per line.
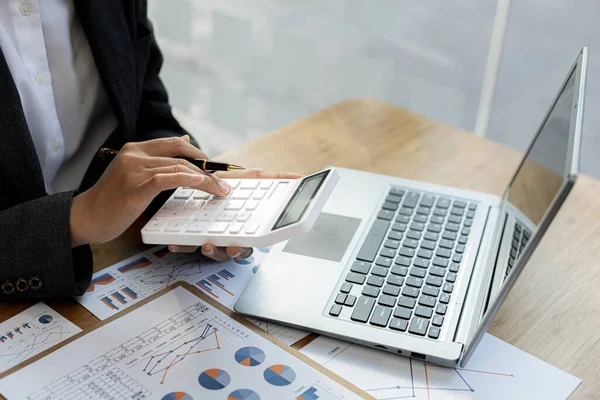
[{"x": 544, "y": 168}]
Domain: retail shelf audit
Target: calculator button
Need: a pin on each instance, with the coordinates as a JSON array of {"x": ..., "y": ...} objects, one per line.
[
  {"x": 241, "y": 194},
  {"x": 183, "y": 194},
  {"x": 266, "y": 185},
  {"x": 174, "y": 204},
  {"x": 218, "y": 227},
  {"x": 155, "y": 225},
  {"x": 251, "y": 205},
  {"x": 200, "y": 195},
  {"x": 214, "y": 205},
  {"x": 197, "y": 227},
  {"x": 194, "y": 205},
  {"x": 249, "y": 184},
  {"x": 236, "y": 227},
  {"x": 259, "y": 195},
  {"x": 234, "y": 183},
  {"x": 175, "y": 226},
  {"x": 205, "y": 215},
  {"x": 244, "y": 216},
  {"x": 234, "y": 205},
  {"x": 251, "y": 228},
  {"x": 174, "y": 214},
  {"x": 227, "y": 216}
]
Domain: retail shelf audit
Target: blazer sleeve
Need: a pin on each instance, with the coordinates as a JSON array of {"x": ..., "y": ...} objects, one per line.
[{"x": 35, "y": 249}]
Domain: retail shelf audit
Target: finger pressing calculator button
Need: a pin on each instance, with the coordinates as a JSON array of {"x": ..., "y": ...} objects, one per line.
[
  {"x": 249, "y": 184},
  {"x": 205, "y": 215},
  {"x": 175, "y": 226},
  {"x": 174, "y": 214},
  {"x": 227, "y": 216},
  {"x": 200, "y": 195},
  {"x": 218, "y": 227},
  {"x": 236, "y": 227},
  {"x": 241, "y": 194},
  {"x": 251, "y": 205},
  {"x": 183, "y": 194},
  {"x": 194, "y": 205},
  {"x": 214, "y": 205},
  {"x": 266, "y": 185},
  {"x": 235, "y": 205},
  {"x": 244, "y": 216},
  {"x": 251, "y": 228},
  {"x": 259, "y": 195},
  {"x": 197, "y": 227},
  {"x": 155, "y": 226},
  {"x": 174, "y": 204}
]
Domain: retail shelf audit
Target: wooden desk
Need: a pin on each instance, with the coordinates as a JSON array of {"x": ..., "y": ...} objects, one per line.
[{"x": 554, "y": 310}]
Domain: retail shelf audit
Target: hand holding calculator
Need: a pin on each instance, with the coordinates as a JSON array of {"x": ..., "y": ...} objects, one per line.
[{"x": 257, "y": 212}]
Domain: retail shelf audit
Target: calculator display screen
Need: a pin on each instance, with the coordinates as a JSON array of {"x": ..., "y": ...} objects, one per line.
[{"x": 298, "y": 204}]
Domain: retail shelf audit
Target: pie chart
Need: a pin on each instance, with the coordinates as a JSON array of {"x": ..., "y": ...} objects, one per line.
[
  {"x": 177, "y": 396},
  {"x": 250, "y": 356},
  {"x": 279, "y": 375},
  {"x": 243, "y": 394},
  {"x": 214, "y": 379},
  {"x": 45, "y": 319}
]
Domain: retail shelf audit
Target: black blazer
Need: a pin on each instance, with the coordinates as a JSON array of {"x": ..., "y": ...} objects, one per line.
[{"x": 36, "y": 258}]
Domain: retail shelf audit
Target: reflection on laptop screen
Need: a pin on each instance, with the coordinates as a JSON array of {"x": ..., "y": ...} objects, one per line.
[{"x": 540, "y": 176}]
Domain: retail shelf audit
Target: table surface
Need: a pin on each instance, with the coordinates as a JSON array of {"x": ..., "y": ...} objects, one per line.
[{"x": 553, "y": 311}]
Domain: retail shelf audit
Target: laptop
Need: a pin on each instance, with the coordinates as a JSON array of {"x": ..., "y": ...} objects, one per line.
[{"x": 419, "y": 269}]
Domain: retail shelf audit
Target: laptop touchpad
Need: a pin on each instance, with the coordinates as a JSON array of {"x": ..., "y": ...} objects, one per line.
[{"x": 328, "y": 239}]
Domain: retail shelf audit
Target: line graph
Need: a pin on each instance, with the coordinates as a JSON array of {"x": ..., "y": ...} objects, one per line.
[
  {"x": 34, "y": 343},
  {"x": 175, "y": 273},
  {"x": 180, "y": 353}
]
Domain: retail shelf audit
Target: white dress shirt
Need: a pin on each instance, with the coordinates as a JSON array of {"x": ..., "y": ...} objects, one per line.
[{"x": 64, "y": 100}]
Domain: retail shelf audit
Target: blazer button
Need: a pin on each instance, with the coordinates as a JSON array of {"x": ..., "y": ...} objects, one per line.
[
  {"x": 22, "y": 285},
  {"x": 35, "y": 283},
  {"x": 8, "y": 287}
]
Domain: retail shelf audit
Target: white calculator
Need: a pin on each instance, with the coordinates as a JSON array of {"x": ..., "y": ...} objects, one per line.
[{"x": 257, "y": 212}]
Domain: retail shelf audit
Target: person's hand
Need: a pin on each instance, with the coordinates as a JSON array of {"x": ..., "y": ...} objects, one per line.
[
  {"x": 132, "y": 180},
  {"x": 221, "y": 253}
]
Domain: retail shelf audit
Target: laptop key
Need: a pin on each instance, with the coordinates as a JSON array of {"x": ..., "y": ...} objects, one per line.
[
  {"x": 375, "y": 281},
  {"x": 399, "y": 227},
  {"x": 431, "y": 291},
  {"x": 410, "y": 291},
  {"x": 424, "y": 312},
  {"x": 379, "y": 271},
  {"x": 460, "y": 248},
  {"x": 446, "y": 244},
  {"x": 437, "y": 320},
  {"x": 372, "y": 242},
  {"x": 363, "y": 309},
  {"x": 386, "y": 215},
  {"x": 434, "y": 281},
  {"x": 418, "y": 272},
  {"x": 414, "y": 282},
  {"x": 411, "y": 199},
  {"x": 473, "y": 206},
  {"x": 405, "y": 251},
  {"x": 423, "y": 210},
  {"x": 399, "y": 270},
  {"x": 443, "y": 202},
  {"x": 437, "y": 271},
  {"x": 445, "y": 298},
  {"x": 390, "y": 206},
  {"x": 392, "y": 198},
  {"x": 455, "y": 219},
  {"x": 428, "y": 244},
  {"x": 424, "y": 253},
  {"x": 403, "y": 219},
  {"x": 418, "y": 326},
  {"x": 391, "y": 244},
  {"x": 428, "y": 301},
  {"x": 406, "y": 211},
  {"x": 436, "y": 219},
  {"x": 460, "y": 204},
  {"x": 471, "y": 214},
  {"x": 417, "y": 226},
  {"x": 431, "y": 236},
  {"x": 448, "y": 287},
  {"x": 361, "y": 267},
  {"x": 440, "y": 212},
  {"x": 434, "y": 332},
  {"x": 440, "y": 262},
  {"x": 420, "y": 218},
  {"x": 341, "y": 298},
  {"x": 403, "y": 260},
  {"x": 395, "y": 280},
  {"x": 436, "y": 228},
  {"x": 413, "y": 235},
  {"x": 463, "y": 239},
  {"x": 346, "y": 287},
  {"x": 370, "y": 291},
  {"x": 410, "y": 243},
  {"x": 354, "y": 277},
  {"x": 449, "y": 235},
  {"x": 451, "y": 277},
  {"x": 401, "y": 312},
  {"x": 465, "y": 231},
  {"x": 391, "y": 290},
  {"x": 457, "y": 211},
  {"x": 398, "y": 324},
  {"x": 385, "y": 252},
  {"x": 421, "y": 262},
  {"x": 395, "y": 235},
  {"x": 384, "y": 262},
  {"x": 443, "y": 253},
  {"x": 381, "y": 316},
  {"x": 441, "y": 309},
  {"x": 468, "y": 222},
  {"x": 457, "y": 257},
  {"x": 335, "y": 310},
  {"x": 427, "y": 201},
  {"x": 386, "y": 300},
  {"x": 454, "y": 267},
  {"x": 397, "y": 191},
  {"x": 350, "y": 300},
  {"x": 452, "y": 227},
  {"x": 406, "y": 302}
]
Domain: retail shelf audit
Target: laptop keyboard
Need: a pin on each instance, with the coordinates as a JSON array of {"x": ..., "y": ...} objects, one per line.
[
  {"x": 521, "y": 237},
  {"x": 408, "y": 263}
]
